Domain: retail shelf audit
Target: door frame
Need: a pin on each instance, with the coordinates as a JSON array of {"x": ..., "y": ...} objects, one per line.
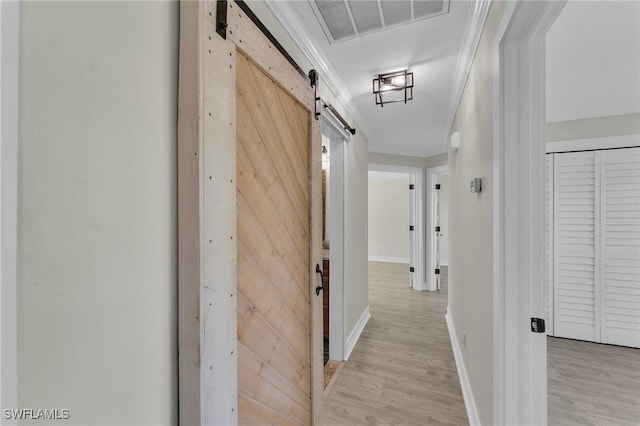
[
  {"x": 520, "y": 356},
  {"x": 9, "y": 127},
  {"x": 207, "y": 308},
  {"x": 338, "y": 139},
  {"x": 416, "y": 175},
  {"x": 434, "y": 174}
]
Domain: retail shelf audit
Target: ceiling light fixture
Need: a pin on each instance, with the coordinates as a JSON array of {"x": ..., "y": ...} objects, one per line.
[{"x": 394, "y": 86}]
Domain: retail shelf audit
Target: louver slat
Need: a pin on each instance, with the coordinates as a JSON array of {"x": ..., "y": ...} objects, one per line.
[
  {"x": 620, "y": 251},
  {"x": 576, "y": 313}
]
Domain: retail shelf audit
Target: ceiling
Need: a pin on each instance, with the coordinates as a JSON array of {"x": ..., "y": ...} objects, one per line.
[
  {"x": 429, "y": 48},
  {"x": 593, "y": 60}
]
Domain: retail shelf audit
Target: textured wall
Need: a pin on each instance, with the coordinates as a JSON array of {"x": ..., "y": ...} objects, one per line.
[{"x": 97, "y": 228}]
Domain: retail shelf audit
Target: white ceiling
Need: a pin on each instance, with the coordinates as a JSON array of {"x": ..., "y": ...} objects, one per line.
[
  {"x": 593, "y": 60},
  {"x": 429, "y": 48}
]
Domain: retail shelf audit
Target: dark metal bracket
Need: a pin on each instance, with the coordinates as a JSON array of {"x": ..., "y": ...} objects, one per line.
[
  {"x": 313, "y": 78},
  {"x": 247, "y": 10},
  {"x": 221, "y": 18},
  {"x": 320, "y": 287}
]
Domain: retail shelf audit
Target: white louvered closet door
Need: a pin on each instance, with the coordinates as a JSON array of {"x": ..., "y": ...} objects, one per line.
[
  {"x": 549, "y": 242},
  {"x": 576, "y": 216},
  {"x": 620, "y": 247}
]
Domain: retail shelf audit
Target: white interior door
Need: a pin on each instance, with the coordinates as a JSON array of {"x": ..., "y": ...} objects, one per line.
[
  {"x": 413, "y": 235},
  {"x": 620, "y": 246},
  {"x": 437, "y": 234},
  {"x": 576, "y": 272}
]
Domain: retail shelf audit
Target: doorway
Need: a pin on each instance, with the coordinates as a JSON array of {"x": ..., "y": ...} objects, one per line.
[
  {"x": 520, "y": 350},
  {"x": 334, "y": 152},
  {"x": 437, "y": 220},
  {"x": 412, "y": 196}
]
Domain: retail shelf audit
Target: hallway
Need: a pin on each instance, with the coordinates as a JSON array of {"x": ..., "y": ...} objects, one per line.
[{"x": 402, "y": 371}]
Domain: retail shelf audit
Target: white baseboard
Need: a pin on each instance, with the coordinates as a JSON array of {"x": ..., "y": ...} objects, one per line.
[
  {"x": 467, "y": 394},
  {"x": 389, "y": 259},
  {"x": 356, "y": 332}
]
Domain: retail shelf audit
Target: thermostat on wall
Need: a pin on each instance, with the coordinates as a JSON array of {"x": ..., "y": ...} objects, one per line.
[{"x": 476, "y": 185}]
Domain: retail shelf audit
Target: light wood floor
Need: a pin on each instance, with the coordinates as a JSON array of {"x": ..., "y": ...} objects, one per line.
[
  {"x": 592, "y": 384},
  {"x": 402, "y": 371}
]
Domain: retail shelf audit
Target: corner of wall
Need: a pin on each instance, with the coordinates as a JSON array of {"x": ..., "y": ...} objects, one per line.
[
  {"x": 467, "y": 393},
  {"x": 354, "y": 334}
]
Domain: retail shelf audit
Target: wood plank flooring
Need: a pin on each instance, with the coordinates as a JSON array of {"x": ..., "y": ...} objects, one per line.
[
  {"x": 402, "y": 371},
  {"x": 592, "y": 384}
]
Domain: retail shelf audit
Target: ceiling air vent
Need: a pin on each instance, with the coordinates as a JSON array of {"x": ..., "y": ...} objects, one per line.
[{"x": 345, "y": 19}]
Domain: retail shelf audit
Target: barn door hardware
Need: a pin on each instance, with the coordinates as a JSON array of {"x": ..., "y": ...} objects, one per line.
[
  {"x": 221, "y": 19},
  {"x": 342, "y": 121},
  {"x": 319, "y": 271},
  {"x": 317, "y": 104},
  {"x": 222, "y": 24}
]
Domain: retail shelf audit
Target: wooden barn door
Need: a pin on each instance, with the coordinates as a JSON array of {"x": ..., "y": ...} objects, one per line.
[
  {"x": 250, "y": 225},
  {"x": 274, "y": 363}
]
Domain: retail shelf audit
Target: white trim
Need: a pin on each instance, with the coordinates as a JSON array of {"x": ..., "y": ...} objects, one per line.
[
  {"x": 9, "y": 129},
  {"x": 499, "y": 347},
  {"x": 356, "y": 332},
  {"x": 433, "y": 177},
  {"x": 417, "y": 174},
  {"x": 520, "y": 356},
  {"x": 590, "y": 113},
  {"x": 290, "y": 21},
  {"x": 389, "y": 259},
  {"x": 473, "y": 31},
  {"x": 337, "y": 232},
  {"x": 607, "y": 142},
  {"x": 467, "y": 393},
  {"x": 407, "y": 152}
]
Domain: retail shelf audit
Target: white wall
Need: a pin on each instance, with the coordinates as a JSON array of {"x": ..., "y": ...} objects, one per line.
[
  {"x": 422, "y": 162},
  {"x": 592, "y": 67},
  {"x": 97, "y": 247},
  {"x": 471, "y": 222},
  {"x": 9, "y": 76},
  {"x": 593, "y": 61},
  {"x": 444, "y": 220},
  {"x": 389, "y": 217}
]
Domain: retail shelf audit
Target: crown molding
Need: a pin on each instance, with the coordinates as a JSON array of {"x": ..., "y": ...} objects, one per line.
[
  {"x": 290, "y": 21},
  {"x": 472, "y": 33},
  {"x": 407, "y": 153}
]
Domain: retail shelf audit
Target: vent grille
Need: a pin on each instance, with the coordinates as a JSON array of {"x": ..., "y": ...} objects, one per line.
[{"x": 345, "y": 19}]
